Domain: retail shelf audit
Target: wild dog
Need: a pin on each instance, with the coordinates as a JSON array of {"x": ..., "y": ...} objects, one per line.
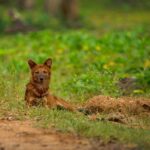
[{"x": 37, "y": 90}]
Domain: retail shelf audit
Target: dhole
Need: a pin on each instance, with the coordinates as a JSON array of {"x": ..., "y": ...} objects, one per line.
[{"x": 37, "y": 90}]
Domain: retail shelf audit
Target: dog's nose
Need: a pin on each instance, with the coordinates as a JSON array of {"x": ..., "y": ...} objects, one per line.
[{"x": 41, "y": 79}]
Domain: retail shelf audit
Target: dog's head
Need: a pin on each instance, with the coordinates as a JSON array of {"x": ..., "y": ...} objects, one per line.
[{"x": 40, "y": 72}]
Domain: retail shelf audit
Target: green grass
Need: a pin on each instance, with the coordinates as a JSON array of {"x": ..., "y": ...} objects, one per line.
[
  {"x": 83, "y": 66},
  {"x": 86, "y": 62}
]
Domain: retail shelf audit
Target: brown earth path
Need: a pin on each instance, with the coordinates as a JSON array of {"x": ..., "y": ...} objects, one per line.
[{"x": 21, "y": 135}]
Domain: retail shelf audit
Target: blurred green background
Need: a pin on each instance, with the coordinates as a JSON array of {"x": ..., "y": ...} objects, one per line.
[{"x": 97, "y": 47}]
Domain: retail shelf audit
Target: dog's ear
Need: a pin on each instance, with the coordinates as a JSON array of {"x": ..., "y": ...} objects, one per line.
[
  {"x": 31, "y": 63},
  {"x": 48, "y": 62}
]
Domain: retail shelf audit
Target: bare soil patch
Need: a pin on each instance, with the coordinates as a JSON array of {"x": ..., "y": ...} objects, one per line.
[{"x": 21, "y": 135}]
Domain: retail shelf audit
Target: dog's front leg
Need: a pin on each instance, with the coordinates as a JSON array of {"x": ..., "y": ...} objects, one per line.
[
  {"x": 30, "y": 101},
  {"x": 45, "y": 102}
]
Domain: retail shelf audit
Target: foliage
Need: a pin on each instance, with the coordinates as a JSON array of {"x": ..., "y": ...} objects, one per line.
[{"x": 86, "y": 64}]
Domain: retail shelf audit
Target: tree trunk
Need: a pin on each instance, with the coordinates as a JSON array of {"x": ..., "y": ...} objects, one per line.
[
  {"x": 69, "y": 9},
  {"x": 26, "y": 4},
  {"x": 52, "y": 6}
]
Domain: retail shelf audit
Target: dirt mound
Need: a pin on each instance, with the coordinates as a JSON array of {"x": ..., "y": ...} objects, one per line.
[{"x": 108, "y": 104}]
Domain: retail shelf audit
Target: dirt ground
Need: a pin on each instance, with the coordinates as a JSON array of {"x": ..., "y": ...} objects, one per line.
[{"x": 21, "y": 135}]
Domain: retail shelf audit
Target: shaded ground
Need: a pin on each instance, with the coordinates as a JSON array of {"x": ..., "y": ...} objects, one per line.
[{"x": 21, "y": 135}]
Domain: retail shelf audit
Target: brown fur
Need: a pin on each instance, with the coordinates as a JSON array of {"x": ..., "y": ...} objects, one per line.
[{"x": 37, "y": 90}]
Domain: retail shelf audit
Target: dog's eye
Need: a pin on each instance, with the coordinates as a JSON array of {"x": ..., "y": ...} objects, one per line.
[
  {"x": 44, "y": 72},
  {"x": 36, "y": 72}
]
